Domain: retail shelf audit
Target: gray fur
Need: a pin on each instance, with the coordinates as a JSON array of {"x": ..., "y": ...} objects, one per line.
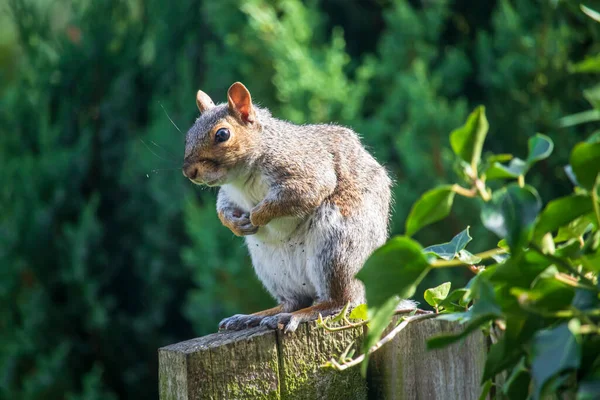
[{"x": 336, "y": 199}]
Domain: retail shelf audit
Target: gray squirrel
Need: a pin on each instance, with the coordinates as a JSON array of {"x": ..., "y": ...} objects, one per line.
[{"x": 310, "y": 201}]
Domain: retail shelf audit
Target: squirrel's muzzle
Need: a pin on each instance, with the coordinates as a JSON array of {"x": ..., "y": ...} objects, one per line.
[{"x": 190, "y": 170}]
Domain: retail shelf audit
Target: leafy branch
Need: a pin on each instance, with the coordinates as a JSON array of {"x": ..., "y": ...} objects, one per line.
[{"x": 346, "y": 361}]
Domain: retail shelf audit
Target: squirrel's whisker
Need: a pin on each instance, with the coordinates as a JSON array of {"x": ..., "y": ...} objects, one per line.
[
  {"x": 153, "y": 152},
  {"x": 176, "y": 127}
]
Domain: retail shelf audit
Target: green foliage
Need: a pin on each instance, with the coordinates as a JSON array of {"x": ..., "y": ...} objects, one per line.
[
  {"x": 107, "y": 253},
  {"x": 431, "y": 207},
  {"x": 543, "y": 298},
  {"x": 467, "y": 141}
]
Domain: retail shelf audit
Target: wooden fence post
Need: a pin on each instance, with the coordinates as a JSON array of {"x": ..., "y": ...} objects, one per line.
[{"x": 264, "y": 364}]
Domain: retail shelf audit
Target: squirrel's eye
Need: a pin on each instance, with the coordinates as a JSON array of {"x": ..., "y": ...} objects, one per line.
[{"x": 222, "y": 135}]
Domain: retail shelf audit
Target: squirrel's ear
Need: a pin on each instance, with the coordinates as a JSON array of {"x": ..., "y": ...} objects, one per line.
[
  {"x": 203, "y": 101},
  {"x": 240, "y": 102}
]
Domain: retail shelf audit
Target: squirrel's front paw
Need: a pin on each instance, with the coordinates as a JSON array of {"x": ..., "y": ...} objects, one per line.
[
  {"x": 238, "y": 222},
  {"x": 259, "y": 216}
]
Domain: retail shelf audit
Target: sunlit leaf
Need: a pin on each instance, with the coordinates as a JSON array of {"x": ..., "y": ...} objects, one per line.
[
  {"x": 467, "y": 141},
  {"x": 433, "y": 206},
  {"x": 380, "y": 317},
  {"x": 436, "y": 295},
  {"x": 396, "y": 268},
  {"x": 359, "y": 312},
  {"x": 585, "y": 161},
  {"x": 540, "y": 147},
  {"x": 450, "y": 250},
  {"x": 590, "y": 13},
  {"x": 515, "y": 168},
  {"x": 579, "y": 118},
  {"x": 560, "y": 212},
  {"x": 457, "y": 300},
  {"x": 468, "y": 258}
]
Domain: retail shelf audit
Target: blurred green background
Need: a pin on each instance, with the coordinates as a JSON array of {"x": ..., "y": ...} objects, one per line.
[{"x": 107, "y": 252}]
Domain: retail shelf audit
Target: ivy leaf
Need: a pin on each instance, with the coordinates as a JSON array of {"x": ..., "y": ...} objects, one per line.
[
  {"x": 553, "y": 351},
  {"x": 436, "y": 295},
  {"x": 450, "y": 250},
  {"x": 515, "y": 168},
  {"x": 585, "y": 162},
  {"x": 467, "y": 257},
  {"x": 457, "y": 300},
  {"x": 485, "y": 390},
  {"x": 511, "y": 214},
  {"x": 590, "y": 13},
  {"x": 484, "y": 310},
  {"x": 433, "y": 206},
  {"x": 560, "y": 212},
  {"x": 540, "y": 147},
  {"x": 467, "y": 141},
  {"x": 575, "y": 228},
  {"x": 380, "y": 317},
  {"x": 395, "y": 269},
  {"x": 359, "y": 312},
  {"x": 517, "y": 385}
]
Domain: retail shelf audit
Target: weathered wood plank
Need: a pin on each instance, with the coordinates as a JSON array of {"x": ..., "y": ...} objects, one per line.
[
  {"x": 301, "y": 355},
  {"x": 264, "y": 364},
  {"x": 225, "y": 365},
  {"x": 404, "y": 369}
]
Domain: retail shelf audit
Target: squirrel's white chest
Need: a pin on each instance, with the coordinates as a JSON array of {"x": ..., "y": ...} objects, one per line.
[{"x": 246, "y": 194}]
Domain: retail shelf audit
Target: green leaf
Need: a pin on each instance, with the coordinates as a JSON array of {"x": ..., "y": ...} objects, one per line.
[
  {"x": 540, "y": 147},
  {"x": 485, "y": 390},
  {"x": 515, "y": 168},
  {"x": 501, "y": 355},
  {"x": 467, "y": 141},
  {"x": 553, "y": 351},
  {"x": 560, "y": 212},
  {"x": 585, "y": 161},
  {"x": 396, "y": 268},
  {"x": 380, "y": 317},
  {"x": 593, "y": 96},
  {"x": 575, "y": 228},
  {"x": 588, "y": 65},
  {"x": 517, "y": 385},
  {"x": 433, "y": 206},
  {"x": 590, "y": 13},
  {"x": 467, "y": 257},
  {"x": 450, "y": 250},
  {"x": 520, "y": 270},
  {"x": 436, "y": 295},
  {"x": 579, "y": 118},
  {"x": 511, "y": 214},
  {"x": 457, "y": 300},
  {"x": 359, "y": 312},
  {"x": 546, "y": 295}
]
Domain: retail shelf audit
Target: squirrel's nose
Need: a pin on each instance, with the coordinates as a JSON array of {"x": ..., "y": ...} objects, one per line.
[{"x": 190, "y": 171}]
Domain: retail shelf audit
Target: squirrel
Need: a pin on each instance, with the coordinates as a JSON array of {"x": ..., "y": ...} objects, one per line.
[{"x": 310, "y": 201}]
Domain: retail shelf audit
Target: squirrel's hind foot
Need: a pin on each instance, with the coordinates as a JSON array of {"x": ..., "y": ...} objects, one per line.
[{"x": 238, "y": 322}]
